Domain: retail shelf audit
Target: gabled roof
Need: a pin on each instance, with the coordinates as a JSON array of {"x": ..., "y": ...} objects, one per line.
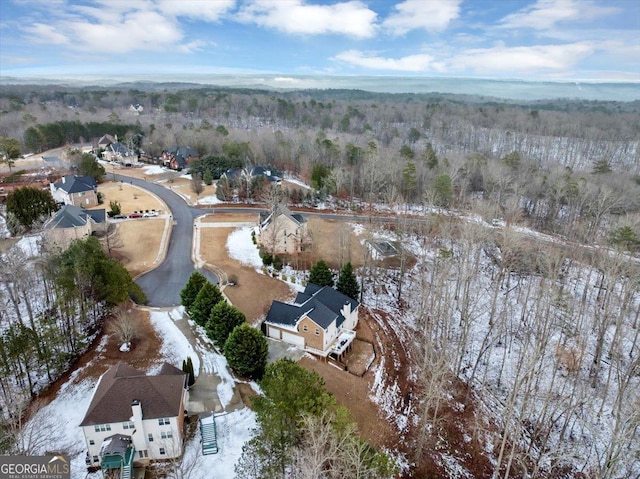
[
  {"x": 181, "y": 153},
  {"x": 106, "y": 140},
  {"x": 322, "y": 304},
  {"x": 121, "y": 149},
  {"x": 159, "y": 395},
  {"x": 75, "y": 184},
  {"x": 70, "y": 216},
  {"x": 279, "y": 209}
]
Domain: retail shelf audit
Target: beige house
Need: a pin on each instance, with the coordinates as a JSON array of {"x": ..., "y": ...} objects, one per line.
[
  {"x": 281, "y": 231},
  {"x": 321, "y": 321},
  {"x": 75, "y": 190},
  {"x": 135, "y": 417},
  {"x": 72, "y": 223}
]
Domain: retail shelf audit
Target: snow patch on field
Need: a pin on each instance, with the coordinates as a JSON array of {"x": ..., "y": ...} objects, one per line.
[
  {"x": 241, "y": 247},
  {"x": 4, "y": 232},
  {"x": 154, "y": 170},
  {"x": 233, "y": 431},
  {"x": 210, "y": 200},
  {"x": 175, "y": 347}
]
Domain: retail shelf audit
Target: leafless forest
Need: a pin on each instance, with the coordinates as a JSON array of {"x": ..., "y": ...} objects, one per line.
[{"x": 519, "y": 293}]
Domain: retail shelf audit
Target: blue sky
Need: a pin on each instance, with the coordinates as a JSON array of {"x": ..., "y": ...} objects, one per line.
[{"x": 532, "y": 40}]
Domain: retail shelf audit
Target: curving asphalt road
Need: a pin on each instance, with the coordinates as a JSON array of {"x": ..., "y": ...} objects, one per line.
[{"x": 162, "y": 285}]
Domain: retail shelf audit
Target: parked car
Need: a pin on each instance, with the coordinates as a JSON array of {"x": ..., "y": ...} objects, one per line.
[
  {"x": 135, "y": 215},
  {"x": 119, "y": 217},
  {"x": 150, "y": 214}
]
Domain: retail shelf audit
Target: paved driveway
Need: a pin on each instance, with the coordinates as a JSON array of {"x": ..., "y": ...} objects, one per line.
[{"x": 162, "y": 285}]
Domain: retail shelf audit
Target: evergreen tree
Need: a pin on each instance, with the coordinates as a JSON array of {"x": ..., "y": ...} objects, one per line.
[
  {"x": 187, "y": 367},
  {"x": 29, "y": 205},
  {"x": 347, "y": 282},
  {"x": 320, "y": 274},
  {"x": 208, "y": 296},
  {"x": 191, "y": 290},
  {"x": 223, "y": 319},
  {"x": 247, "y": 350}
]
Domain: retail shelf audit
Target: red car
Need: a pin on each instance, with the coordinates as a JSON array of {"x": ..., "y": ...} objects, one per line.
[{"x": 135, "y": 215}]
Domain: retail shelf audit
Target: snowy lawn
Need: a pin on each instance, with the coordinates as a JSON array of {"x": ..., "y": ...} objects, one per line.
[
  {"x": 242, "y": 249},
  {"x": 210, "y": 200},
  {"x": 154, "y": 170}
]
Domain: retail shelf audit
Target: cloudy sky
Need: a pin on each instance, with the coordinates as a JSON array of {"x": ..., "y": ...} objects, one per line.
[{"x": 543, "y": 39}]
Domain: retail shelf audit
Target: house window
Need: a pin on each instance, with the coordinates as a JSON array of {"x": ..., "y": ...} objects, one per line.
[
  {"x": 144, "y": 453},
  {"x": 304, "y": 328},
  {"x": 95, "y": 459},
  {"x": 317, "y": 332},
  {"x": 162, "y": 451},
  {"x": 164, "y": 421},
  {"x": 103, "y": 427},
  {"x": 166, "y": 435},
  {"x": 128, "y": 425},
  {"x": 150, "y": 437},
  {"x": 91, "y": 442}
]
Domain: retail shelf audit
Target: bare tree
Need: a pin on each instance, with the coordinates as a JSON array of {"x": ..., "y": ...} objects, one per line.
[{"x": 124, "y": 325}]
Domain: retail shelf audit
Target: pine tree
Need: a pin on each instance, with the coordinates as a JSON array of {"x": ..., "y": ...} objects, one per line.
[
  {"x": 191, "y": 290},
  {"x": 246, "y": 351},
  {"x": 347, "y": 282},
  {"x": 320, "y": 274},
  {"x": 206, "y": 299},
  {"x": 192, "y": 377},
  {"x": 223, "y": 319}
]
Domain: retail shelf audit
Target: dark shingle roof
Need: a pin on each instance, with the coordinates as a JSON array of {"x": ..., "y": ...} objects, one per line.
[
  {"x": 322, "y": 304},
  {"x": 159, "y": 395},
  {"x": 76, "y": 184},
  {"x": 70, "y": 216},
  {"x": 283, "y": 313}
]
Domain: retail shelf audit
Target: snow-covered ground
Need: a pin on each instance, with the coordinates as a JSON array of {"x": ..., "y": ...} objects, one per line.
[
  {"x": 154, "y": 170},
  {"x": 57, "y": 423},
  {"x": 4, "y": 232},
  {"x": 209, "y": 200},
  {"x": 241, "y": 247}
]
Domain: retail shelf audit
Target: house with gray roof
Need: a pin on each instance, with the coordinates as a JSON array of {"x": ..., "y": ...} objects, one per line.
[
  {"x": 135, "y": 415},
  {"x": 179, "y": 157},
  {"x": 322, "y": 321},
  {"x": 282, "y": 232},
  {"x": 72, "y": 222},
  {"x": 75, "y": 190}
]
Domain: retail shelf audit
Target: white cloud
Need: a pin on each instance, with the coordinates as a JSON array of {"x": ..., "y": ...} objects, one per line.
[
  {"x": 419, "y": 14},
  {"x": 352, "y": 18},
  {"x": 520, "y": 60},
  {"x": 410, "y": 63},
  {"x": 197, "y": 9},
  {"x": 544, "y": 14},
  {"x": 48, "y": 34},
  {"x": 112, "y": 27}
]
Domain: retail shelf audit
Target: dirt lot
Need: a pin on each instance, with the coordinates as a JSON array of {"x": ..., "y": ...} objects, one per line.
[
  {"x": 335, "y": 242},
  {"x": 131, "y": 198},
  {"x": 352, "y": 392},
  {"x": 137, "y": 242},
  {"x": 253, "y": 292}
]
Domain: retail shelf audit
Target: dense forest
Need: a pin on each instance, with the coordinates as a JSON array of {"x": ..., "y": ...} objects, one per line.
[{"x": 539, "y": 333}]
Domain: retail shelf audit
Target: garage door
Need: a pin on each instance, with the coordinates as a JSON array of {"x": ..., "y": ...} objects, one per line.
[
  {"x": 293, "y": 339},
  {"x": 274, "y": 332}
]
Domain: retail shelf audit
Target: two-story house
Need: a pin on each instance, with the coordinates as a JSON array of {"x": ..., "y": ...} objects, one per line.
[
  {"x": 75, "y": 190},
  {"x": 72, "y": 222},
  {"x": 281, "y": 231},
  {"x": 179, "y": 157},
  {"x": 143, "y": 415},
  {"x": 321, "y": 321}
]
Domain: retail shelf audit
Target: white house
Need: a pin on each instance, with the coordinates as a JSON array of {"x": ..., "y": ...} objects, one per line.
[{"x": 134, "y": 417}]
